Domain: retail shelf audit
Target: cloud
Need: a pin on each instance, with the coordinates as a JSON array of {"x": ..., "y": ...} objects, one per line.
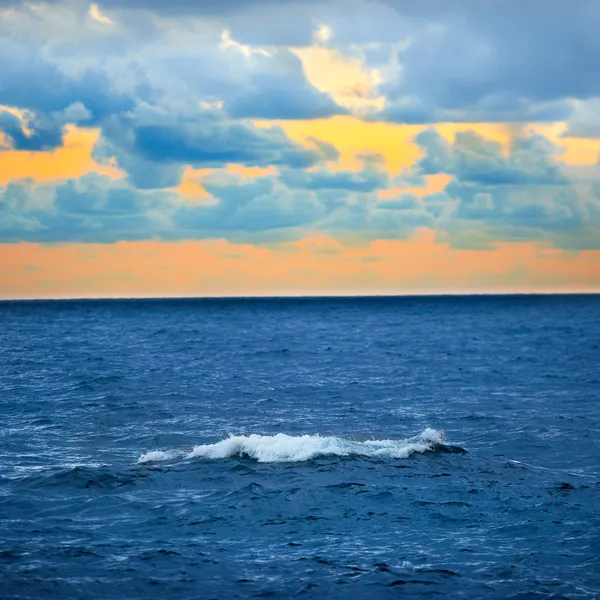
[
  {"x": 498, "y": 107},
  {"x": 30, "y": 133},
  {"x": 366, "y": 180},
  {"x": 549, "y": 209},
  {"x": 346, "y": 79},
  {"x": 282, "y": 97},
  {"x": 71, "y": 160},
  {"x": 144, "y": 97},
  {"x": 200, "y": 7},
  {"x": 498, "y": 60},
  {"x": 97, "y": 15},
  {"x": 28, "y": 81},
  {"x": 492, "y": 196},
  {"x": 259, "y": 206},
  {"x": 154, "y": 144},
  {"x": 167, "y": 88},
  {"x": 95, "y": 208},
  {"x": 532, "y": 159},
  {"x": 277, "y": 88},
  {"x": 151, "y": 60},
  {"x": 91, "y": 208},
  {"x": 585, "y": 120},
  {"x": 396, "y": 61},
  {"x": 408, "y": 62},
  {"x": 521, "y": 195},
  {"x": 402, "y": 202}
]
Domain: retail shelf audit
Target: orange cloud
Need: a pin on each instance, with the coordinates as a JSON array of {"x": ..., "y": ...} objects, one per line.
[
  {"x": 496, "y": 132},
  {"x": 345, "y": 79},
  {"x": 434, "y": 183},
  {"x": 352, "y": 137},
  {"x": 395, "y": 142},
  {"x": 576, "y": 151},
  {"x": 314, "y": 265},
  {"x": 250, "y": 172},
  {"x": 73, "y": 160},
  {"x": 190, "y": 186}
]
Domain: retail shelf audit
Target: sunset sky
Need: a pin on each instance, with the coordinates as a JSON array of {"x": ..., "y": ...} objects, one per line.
[{"x": 274, "y": 147}]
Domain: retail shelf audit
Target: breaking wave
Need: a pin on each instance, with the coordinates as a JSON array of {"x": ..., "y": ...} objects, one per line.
[{"x": 289, "y": 448}]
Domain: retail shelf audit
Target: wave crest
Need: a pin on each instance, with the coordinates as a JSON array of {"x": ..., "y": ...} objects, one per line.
[{"x": 300, "y": 448}]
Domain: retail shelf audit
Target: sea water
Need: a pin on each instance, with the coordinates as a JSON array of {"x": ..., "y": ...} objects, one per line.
[{"x": 338, "y": 448}]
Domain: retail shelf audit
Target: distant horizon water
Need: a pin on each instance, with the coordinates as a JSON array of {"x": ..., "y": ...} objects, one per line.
[{"x": 308, "y": 296}]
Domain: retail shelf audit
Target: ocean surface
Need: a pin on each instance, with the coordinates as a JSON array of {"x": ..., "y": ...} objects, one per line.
[{"x": 319, "y": 448}]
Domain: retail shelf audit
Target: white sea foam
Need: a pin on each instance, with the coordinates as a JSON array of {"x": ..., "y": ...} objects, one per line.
[
  {"x": 290, "y": 448},
  {"x": 160, "y": 456}
]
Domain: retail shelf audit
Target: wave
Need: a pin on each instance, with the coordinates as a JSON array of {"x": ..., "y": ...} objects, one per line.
[
  {"x": 290, "y": 448},
  {"x": 86, "y": 476}
]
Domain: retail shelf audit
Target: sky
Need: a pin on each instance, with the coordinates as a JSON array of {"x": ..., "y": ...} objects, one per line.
[{"x": 298, "y": 147}]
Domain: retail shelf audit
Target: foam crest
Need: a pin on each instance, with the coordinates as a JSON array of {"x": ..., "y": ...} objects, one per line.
[
  {"x": 160, "y": 456},
  {"x": 290, "y": 448}
]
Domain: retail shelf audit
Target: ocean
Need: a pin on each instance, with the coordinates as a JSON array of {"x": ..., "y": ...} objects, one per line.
[{"x": 312, "y": 447}]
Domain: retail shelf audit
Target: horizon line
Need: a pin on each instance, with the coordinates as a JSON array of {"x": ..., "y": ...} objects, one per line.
[{"x": 307, "y": 296}]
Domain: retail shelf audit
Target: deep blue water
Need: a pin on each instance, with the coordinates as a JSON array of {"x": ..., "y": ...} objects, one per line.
[{"x": 352, "y": 510}]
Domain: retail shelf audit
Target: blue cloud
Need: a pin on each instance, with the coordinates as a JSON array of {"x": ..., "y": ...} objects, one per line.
[
  {"x": 98, "y": 209},
  {"x": 91, "y": 209},
  {"x": 28, "y": 81},
  {"x": 366, "y": 217},
  {"x": 524, "y": 194},
  {"x": 367, "y": 180},
  {"x": 442, "y": 60},
  {"x": 38, "y": 135},
  {"x": 269, "y": 84},
  {"x": 585, "y": 120},
  {"x": 217, "y": 145},
  {"x": 402, "y": 202},
  {"x": 493, "y": 61},
  {"x": 282, "y": 96},
  {"x": 108, "y": 73},
  {"x": 153, "y": 144},
  {"x": 550, "y": 209},
  {"x": 492, "y": 108},
  {"x": 95, "y": 208},
  {"x": 532, "y": 159},
  {"x": 257, "y": 207}
]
